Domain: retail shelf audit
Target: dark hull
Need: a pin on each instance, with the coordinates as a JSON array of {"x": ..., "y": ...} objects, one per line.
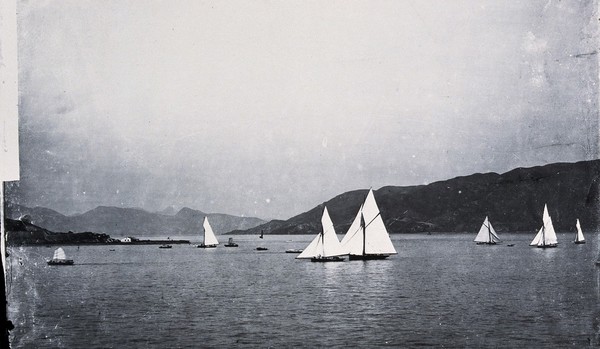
[
  {"x": 327, "y": 259},
  {"x": 547, "y": 246},
  {"x": 61, "y": 262},
  {"x": 207, "y": 246},
  {"x": 367, "y": 257},
  {"x": 579, "y": 242},
  {"x": 261, "y": 248},
  {"x": 486, "y": 243},
  {"x": 231, "y": 245},
  {"x": 165, "y": 246}
]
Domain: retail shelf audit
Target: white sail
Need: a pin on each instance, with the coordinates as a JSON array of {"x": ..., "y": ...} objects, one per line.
[
  {"x": 59, "y": 253},
  {"x": 352, "y": 241},
  {"x": 326, "y": 243},
  {"x": 487, "y": 234},
  {"x": 538, "y": 238},
  {"x": 546, "y": 235},
  {"x": 209, "y": 234},
  {"x": 367, "y": 234},
  {"x": 579, "y": 232}
]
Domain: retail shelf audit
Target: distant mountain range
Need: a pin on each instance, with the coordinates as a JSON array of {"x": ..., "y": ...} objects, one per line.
[
  {"x": 119, "y": 221},
  {"x": 514, "y": 201}
]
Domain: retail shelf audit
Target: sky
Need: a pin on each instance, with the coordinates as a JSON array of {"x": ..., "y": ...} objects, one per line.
[{"x": 269, "y": 108}]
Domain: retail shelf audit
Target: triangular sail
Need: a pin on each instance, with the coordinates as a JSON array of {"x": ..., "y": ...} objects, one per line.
[
  {"x": 326, "y": 243},
  {"x": 312, "y": 250},
  {"x": 209, "y": 234},
  {"x": 546, "y": 235},
  {"x": 352, "y": 241},
  {"x": 493, "y": 235},
  {"x": 538, "y": 238},
  {"x": 59, "y": 253},
  {"x": 579, "y": 232},
  {"x": 549, "y": 233},
  {"x": 375, "y": 239},
  {"x": 487, "y": 234}
]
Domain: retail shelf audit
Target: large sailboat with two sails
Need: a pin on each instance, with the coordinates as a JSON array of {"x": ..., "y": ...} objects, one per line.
[
  {"x": 546, "y": 236},
  {"x": 367, "y": 238},
  {"x": 487, "y": 234},
  {"x": 325, "y": 247}
]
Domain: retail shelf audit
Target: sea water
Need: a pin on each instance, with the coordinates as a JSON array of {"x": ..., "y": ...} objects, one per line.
[{"x": 440, "y": 290}]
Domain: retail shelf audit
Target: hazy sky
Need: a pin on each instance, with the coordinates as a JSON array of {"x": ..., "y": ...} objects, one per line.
[{"x": 268, "y": 108}]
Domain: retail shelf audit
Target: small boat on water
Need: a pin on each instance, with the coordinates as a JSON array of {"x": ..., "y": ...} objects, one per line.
[
  {"x": 510, "y": 245},
  {"x": 294, "y": 250},
  {"x": 546, "y": 236},
  {"x": 261, "y": 234},
  {"x": 487, "y": 235},
  {"x": 260, "y": 248},
  {"x": 230, "y": 243},
  {"x": 60, "y": 258},
  {"x": 165, "y": 246},
  {"x": 579, "y": 239},
  {"x": 209, "y": 240},
  {"x": 367, "y": 238},
  {"x": 325, "y": 247}
]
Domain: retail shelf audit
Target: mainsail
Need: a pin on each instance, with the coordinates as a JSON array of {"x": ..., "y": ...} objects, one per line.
[
  {"x": 209, "y": 235},
  {"x": 546, "y": 236},
  {"x": 326, "y": 243},
  {"x": 367, "y": 235},
  {"x": 59, "y": 253},
  {"x": 579, "y": 238},
  {"x": 487, "y": 234}
]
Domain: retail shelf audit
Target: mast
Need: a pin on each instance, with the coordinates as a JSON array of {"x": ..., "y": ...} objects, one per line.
[
  {"x": 364, "y": 229},
  {"x": 544, "y": 235},
  {"x": 322, "y": 242}
]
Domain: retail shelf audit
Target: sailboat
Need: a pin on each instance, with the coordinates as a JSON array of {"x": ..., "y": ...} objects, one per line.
[
  {"x": 487, "y": 235},
  {"x": 367, "y": 237},
  {"x": 579, "y": 239},
  {"x": 60, "y": 258},
  {"x": 209, "y": 240},
  {"x": 546, "y": 236},
  {"x": 325, "y": 247}
]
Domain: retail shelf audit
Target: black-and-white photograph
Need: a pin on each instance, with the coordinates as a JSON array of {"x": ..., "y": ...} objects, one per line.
[{"x": 300, "y": 174}]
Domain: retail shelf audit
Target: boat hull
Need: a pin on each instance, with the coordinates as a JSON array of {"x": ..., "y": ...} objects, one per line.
[
  {"x": 261, "y": 248},
  {"x": 366, "y": 257},
  {"x": 579, "y": 242},
  {"x": 206, "y": 246},
  {"x": 327, "y": 259},
  {"x": 61, "y": 262},
  {"x": 547, "y": 246},
  {"x": 486, "y": 243},
  {"x": 293, "y": 251},
  {"x": 231, "y": 245}
]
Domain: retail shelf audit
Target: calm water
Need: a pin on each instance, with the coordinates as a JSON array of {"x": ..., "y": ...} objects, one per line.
[{"x": 439, "y": 291}]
